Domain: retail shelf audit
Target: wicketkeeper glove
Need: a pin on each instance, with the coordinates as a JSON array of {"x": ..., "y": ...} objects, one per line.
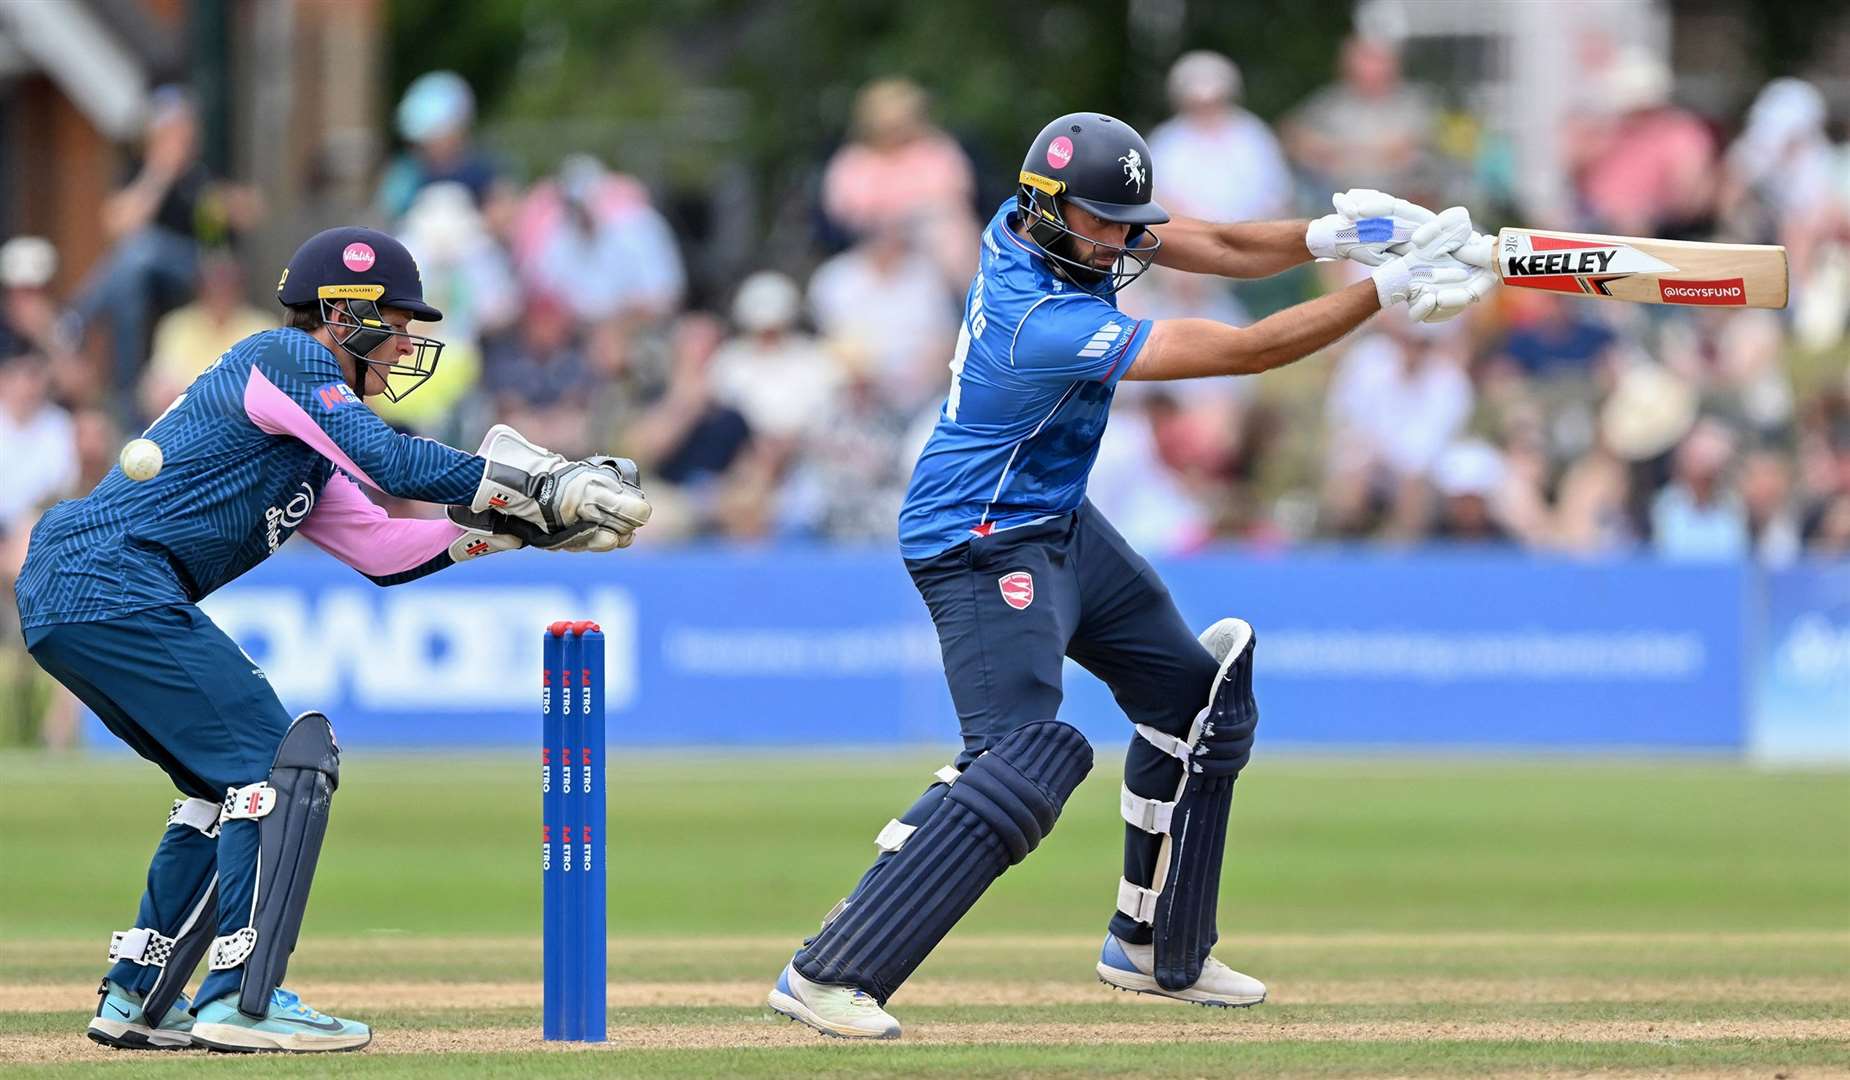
[{"x": 529, "y": 482}]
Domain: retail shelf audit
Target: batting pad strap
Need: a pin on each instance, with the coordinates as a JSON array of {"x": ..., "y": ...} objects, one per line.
[
  {"x": 230, "y": 951},
  {"x": 1150, "y": 815},
  {"x": 894, "y": 836},
  {"x": 201, "y": 814},
  {"x": 1136, "y": 901},
  {"x": 140, "y": 946},
  {"x": 250, "y": 801},
  {"x": 948, "y": 774},
  {"x": 1177, "y": 748}
]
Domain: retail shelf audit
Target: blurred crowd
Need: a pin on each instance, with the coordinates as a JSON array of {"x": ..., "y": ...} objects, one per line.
[{"x": 791, "y": 403}]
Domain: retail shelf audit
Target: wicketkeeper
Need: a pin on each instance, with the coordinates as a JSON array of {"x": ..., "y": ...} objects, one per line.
[
  {"x": 1020, "y": 572},
  {"x": 272, "y": 439}
]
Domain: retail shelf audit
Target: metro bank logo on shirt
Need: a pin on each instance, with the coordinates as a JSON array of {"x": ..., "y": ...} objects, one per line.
[{"x": 337, "y": 395}]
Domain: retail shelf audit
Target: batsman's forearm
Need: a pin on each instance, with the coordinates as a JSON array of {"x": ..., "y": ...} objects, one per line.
[
  {"x": 1199, "y": 348},
  {"x": 1247, "y": 249},
  {"x": 1296, "y": 332}
]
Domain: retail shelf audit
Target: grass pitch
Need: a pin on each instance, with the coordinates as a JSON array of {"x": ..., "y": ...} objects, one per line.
[{"x": 1459, "y": 917}]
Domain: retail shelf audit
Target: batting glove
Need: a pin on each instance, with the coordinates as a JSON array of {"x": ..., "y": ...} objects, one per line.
[{"x": 1366, "y": 224}]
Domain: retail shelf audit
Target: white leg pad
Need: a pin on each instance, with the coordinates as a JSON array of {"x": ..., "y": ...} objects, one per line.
[
  {"x": 140, "y": 946},
  {"x": 201, "y": 814}
]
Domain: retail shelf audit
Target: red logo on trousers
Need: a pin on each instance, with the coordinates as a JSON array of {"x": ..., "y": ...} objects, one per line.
[{"x": 1017, "y": 589}]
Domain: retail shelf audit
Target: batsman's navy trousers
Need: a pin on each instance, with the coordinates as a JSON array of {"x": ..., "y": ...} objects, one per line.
[
  {"x": 1011, "y": 606},
  {"x": 173, "y": 686}
]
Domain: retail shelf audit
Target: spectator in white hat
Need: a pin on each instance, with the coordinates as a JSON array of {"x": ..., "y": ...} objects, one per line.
[
  {"x": 1469, "y": 478},
  {"x": 28, "y": 313},
  {"x": 780, "y": 378},
  {"x": 1219, "y": 161},
  {"x": 1643, "y": 166}
]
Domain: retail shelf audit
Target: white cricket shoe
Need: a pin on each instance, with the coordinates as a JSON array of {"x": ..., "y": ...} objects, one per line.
[
  {"x": 841, "y": 1011},
  {"x": 1128, "y": 967}
]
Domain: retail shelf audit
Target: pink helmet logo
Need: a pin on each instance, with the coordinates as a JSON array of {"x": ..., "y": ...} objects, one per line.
[
  {"x": 358, "y": 257},
  {"x": 1060, "y": 152}
]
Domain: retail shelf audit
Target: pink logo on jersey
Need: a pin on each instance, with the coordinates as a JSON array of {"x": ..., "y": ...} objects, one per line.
[
  {"x": 1017, "y": 589},
  {"x": 357, "y": 257},
  {"x": 1059, "y": 154}
]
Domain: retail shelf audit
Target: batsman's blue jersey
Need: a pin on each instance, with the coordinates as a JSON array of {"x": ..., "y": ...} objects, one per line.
[
  {"x": 249, "y": 449},
  {"x": 1032, "y": 379}
]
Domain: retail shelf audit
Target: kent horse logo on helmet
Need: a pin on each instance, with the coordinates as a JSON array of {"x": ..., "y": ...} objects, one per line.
[
  {"x": 1102, "y": 166},
  {"x": 1133, "y": 168}
]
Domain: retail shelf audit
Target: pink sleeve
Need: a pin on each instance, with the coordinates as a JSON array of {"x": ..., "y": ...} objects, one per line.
[
  {"x": 357, "y": 531},
  {"x": 276, "y": 413}
]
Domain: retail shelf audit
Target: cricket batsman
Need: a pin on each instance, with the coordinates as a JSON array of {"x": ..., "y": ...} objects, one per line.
[
  {"x": 273, "y": 439},
  {"x": 1019, "y": 571}
]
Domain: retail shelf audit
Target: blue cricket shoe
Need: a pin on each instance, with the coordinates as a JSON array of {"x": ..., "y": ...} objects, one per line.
[
  {"x": 288, "y": 1027},
  {"x": 119, "y": 1022}
]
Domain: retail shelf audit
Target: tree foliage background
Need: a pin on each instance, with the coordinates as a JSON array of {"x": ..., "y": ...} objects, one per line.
[
  {"x": 731, "y": 106},
  {"x": 675, "y": 89}
]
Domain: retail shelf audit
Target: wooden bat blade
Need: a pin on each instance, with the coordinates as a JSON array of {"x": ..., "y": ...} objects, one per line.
[{"x": 1643, "y": 270}]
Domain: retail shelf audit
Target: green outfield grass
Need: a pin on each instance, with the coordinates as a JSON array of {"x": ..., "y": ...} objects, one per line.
[{"x": 1412, "y": 916}]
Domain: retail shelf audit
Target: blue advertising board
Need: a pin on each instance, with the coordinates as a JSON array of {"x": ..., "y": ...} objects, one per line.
[
  {"x": 787, "y": 646},
  {"x": 1801, "y": 665}
]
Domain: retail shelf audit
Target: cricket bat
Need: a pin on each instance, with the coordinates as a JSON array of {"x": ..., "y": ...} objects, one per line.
[{"x": 1643, "y": 271}]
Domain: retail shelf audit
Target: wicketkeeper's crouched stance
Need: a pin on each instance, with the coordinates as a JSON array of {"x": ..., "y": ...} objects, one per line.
[
  {"x": 1019, "y": 571},
  {"x": 272, "y": 439}
]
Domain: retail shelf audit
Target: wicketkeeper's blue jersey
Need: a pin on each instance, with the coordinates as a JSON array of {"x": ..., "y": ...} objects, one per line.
[
  {"x": 1036, "y": 365},
  {"x": 269, "y": 440}
]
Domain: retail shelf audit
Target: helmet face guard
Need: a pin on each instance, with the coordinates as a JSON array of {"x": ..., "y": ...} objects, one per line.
[
  {"x": 1039, "y": 201},
  {"x": 366, "y": 329}
]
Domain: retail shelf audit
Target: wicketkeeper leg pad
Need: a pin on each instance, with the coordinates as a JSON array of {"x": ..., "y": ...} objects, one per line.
[
  {"x": 996, "y": 812},
  {"x": 1181, "y": 900},
  {"x": 291, "y": 810}
]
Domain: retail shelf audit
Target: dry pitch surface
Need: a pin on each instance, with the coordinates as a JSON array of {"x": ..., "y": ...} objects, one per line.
[{"x": 1465, "y": 1004}]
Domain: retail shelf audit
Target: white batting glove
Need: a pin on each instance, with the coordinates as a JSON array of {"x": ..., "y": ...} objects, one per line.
[
  {"x": 1427, "y": 259},
  {"x": 1366, "y": 225},
  {"x": 1480, "y": 251},
  {"x": 1439, "y": 301}
]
